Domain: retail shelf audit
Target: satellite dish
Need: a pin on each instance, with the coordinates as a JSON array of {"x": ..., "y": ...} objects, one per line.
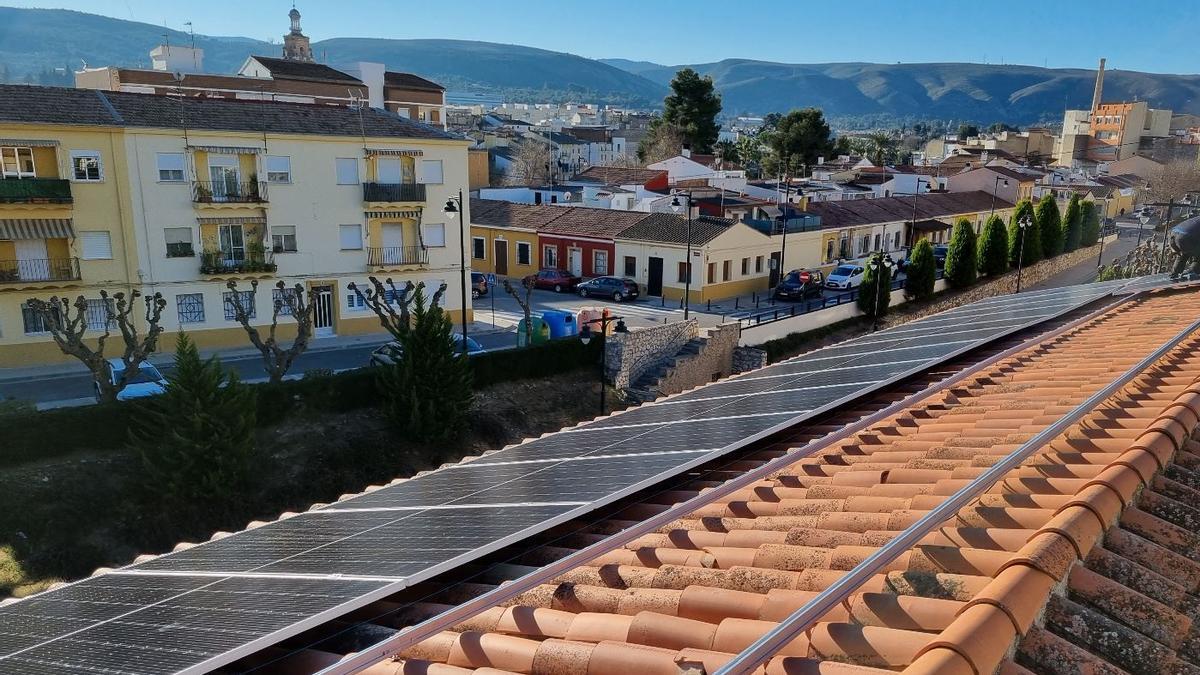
[
  {"x": 567, "y": 195},
  {"x": 178, "y": 75}
]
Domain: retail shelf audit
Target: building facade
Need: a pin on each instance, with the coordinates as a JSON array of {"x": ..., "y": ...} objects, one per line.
[{"x": 184, "y": 195}]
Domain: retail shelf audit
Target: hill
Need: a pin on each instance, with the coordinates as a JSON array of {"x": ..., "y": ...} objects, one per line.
[{"x": 31, "y": 46}]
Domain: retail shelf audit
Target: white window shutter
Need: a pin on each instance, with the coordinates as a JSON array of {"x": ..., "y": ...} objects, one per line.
[{"x": 96, "y": 245}]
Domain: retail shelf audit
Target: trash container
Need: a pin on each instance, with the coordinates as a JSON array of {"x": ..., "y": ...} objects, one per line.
[
  {"x": 541, "y": 331},
  {"x": 561, "y": 322}
]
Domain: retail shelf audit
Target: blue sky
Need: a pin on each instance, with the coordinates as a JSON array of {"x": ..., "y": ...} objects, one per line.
[{"x": 1148, "y": 35}]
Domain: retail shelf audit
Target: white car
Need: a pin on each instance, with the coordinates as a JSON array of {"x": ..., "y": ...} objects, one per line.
[
  {"x": 148, "y": 381},
  {"x": 845, "y": 277}
]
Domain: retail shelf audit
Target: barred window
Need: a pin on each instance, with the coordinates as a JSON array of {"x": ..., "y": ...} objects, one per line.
[
  {"x": 97, "y": 315},
  {"x": 281, "y": 296},
  {"x": 190, "y": 307},
  {"x": 34, "y": 323},
  {"x": 247, "y": 298}
]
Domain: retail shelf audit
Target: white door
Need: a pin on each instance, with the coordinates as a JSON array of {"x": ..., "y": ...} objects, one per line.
[
  {"x": 389, "y": 171},
  {"x": 322, "y": 299},
  {"x": 393, "y": 244},
  {"x": 575, "y": 261},
  {"x": 32, "y": 262}
]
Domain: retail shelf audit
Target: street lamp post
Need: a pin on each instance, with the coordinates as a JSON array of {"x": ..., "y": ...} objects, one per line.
[
  {"x": 455, "y": 205},
  {"x": 1023, "y": 225},
  {"x": 585, "y": 336},
  {"x": 882, "y": 266},
  {"x": 995, "y": 189},
  {"x": 687, "y": 263},
  {"x": 1100, "y": 256}
]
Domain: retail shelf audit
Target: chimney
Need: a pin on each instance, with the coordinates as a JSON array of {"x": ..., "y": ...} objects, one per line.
[{"x": 1097, "y": 96}]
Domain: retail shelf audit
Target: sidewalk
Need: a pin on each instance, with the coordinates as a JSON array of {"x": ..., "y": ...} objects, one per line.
[{"x": 166, "y": 353}]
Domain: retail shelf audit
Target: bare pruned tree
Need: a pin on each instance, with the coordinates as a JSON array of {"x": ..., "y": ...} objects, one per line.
[
  {"x": 524, "y": 302},
  {"x": 393, "y": 305},
  {"x": 530, "y": 163},
  {"x": 67, "y": 323},
  {"x": 1175, "y": 181},
  {"x": 277, "y": 360}
]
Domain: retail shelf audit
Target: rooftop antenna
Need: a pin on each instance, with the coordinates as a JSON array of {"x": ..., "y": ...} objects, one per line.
[{"x": 192, "y": 33}]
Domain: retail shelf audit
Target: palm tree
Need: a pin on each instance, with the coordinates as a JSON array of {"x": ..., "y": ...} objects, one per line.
[{"x": 881, "y": 146}]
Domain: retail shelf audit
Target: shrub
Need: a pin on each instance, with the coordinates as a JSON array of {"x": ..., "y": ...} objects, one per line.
[
  {"x": 1072, "y": 224},
  {"x": 961, "y": 265},
  {"x": 921, "y": 273},
  {"x": 1090, "y": 225},
  {"x": 196, "y": 441},
  {"x": 993, "y": 248},
  {"x": 1024, "y": 247},
  {"x": 427, "y": 392},
  {"x": 875, "y": 292},
  {"x": 1049, "y": 224}
]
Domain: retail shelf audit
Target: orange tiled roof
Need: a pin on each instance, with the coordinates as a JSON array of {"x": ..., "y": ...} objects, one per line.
[{"x": 1087, "y": 557}]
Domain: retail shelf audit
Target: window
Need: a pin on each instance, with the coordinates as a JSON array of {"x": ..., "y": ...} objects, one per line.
[
  {"x": 433, "y": 234},
  {"x": 170, "y": 167},
  {"x": 281, "y": 296},
  {"x": 726, "y": 270},
  {"x": 97, "y": 315},
  {"x": 190, "y": 307},
  {"x": 745, "y": 266},
  {"x": 179, "y": 242},
  {"x": 878, "y": 242},
  {"x": 600, "y": 262},
  {"x": 34, "y": 322},
  {"x": 478, "y": 249},
  {"x": 630, "y": 266},
  {"x": 896, "y": 240},
  {"x": 283, "y": 238},
  {"x": 431, "y": 171},
  {"x": 550, "y": 256},
  {"x": 829, "y": 250},
  {"x": 247, "y": 298},
  {"x": 347, "y": 171},
  {"x": 524, "y": 253},
  {"x": 684, "y": 272},
  {"x": 279, "y": 168},
  {"x": 85, "y": 165},
  {"x": 97, "y": 245},
  {"x": 17, "y": 162},
  {"x": 350, "y": 237},
  {"x": 355, "y": 302},
  {"x": 758, "y": 261},
  {"x": 712, "y": 272}
]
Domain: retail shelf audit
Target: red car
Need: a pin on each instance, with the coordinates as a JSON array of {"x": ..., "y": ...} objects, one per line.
[{"x": 555, "y": 280}]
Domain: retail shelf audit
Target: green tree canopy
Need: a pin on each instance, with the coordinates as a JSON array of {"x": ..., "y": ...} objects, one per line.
[
  {"x": 965, "y": 130},
  {"x": 1049, "y": 223},
  {"x": 1072, "y": 224},
  {"x": 961, "y": 262},
  {"x": 1024, "y": 244},
  {"x": 1090, "y": 225},
  {"x": 921, "y": 272},
  {"x": 801, "y": 137},
  {"x": 993, "y": 248},
  {"x": 875, "y": 292},
  {"x": 692, "y": 107}
]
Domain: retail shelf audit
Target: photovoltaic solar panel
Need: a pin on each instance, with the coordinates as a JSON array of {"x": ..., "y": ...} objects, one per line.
[{"x": 211, "y": 604}]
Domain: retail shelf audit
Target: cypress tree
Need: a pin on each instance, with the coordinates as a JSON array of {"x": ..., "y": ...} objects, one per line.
[
  {"x": 921, "y": 273},
  {"x": 1028, "y": 251},
  {"x": 875, "y": 292},
  {"x": 427, "y": 391},
  {"x": 993, "y": 248},
  {"x": 1090, "y": 226},
  {"x": 1049, "y": 223},
  {"x": 1072, "y": 225},
  {"x": 961, "y": 263},
  {"x": 196, "y": 441}
]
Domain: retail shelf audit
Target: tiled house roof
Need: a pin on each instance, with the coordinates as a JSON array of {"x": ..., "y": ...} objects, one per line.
[
  {"x": 580, "y": 221},
  {"x": 668, "y": 228},
  {"x": 497, "y": 213},
  {"x": 410, "y": 81},
  {"x": 615, "y": 175},
  {"x": 856, "y": 212},
  {"x": 303, "y": 70}
]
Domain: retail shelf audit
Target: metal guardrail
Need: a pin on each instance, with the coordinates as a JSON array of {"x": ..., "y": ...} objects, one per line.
[
  {"x": 397, "y": 255},
  {"x": 804, "y": 618},
  {"x": 242, "y": 261},
  {"x": 46, "y": 269},
  {"x": 393, "y": 192},
  {"x": 780, "y": 311},
  {"x": 229, "y": 192}
]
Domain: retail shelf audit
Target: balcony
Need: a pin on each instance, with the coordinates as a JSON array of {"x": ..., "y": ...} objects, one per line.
[
  {"x": 229, "y": 192},
  {"x": 50, "y": 269},
  {"x": 394, "y": 256},
  {"x": 236, "y": 262},
  {"x": 35, "y": 191},
  {"x": 393, "y": 192}
]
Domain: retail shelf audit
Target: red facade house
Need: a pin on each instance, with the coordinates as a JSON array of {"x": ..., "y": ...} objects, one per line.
[{"x": 581, "y": 240}]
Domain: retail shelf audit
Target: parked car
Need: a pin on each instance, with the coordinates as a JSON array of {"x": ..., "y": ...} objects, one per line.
[
  {"x": 939, "y": 255},
  {"x": 558, "y": 281},
  {"x": 148, "y": 381},
  {"x": 387, "y": 354},
  {"x": 800, "y": 285},
  {"x": 479, "y": 285},
  {"x": 845, "y": 277},
  {"x": 608, "y": 287}
]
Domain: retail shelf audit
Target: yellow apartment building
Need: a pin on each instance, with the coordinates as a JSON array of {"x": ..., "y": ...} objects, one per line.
[
  {"x": 504, "y": 237},
  {"x": 180, "y": 196}
]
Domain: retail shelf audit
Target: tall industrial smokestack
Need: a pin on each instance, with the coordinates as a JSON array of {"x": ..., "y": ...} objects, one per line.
[{"x": 1097, "y": 96}]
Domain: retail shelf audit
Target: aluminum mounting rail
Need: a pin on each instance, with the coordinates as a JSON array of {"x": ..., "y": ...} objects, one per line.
[
  {"x": 805, "y": 617},
  {"x": 415, "y": 634}
]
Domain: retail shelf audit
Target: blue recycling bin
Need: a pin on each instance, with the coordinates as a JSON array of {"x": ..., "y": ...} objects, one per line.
[{"x": 561, "y": 322}]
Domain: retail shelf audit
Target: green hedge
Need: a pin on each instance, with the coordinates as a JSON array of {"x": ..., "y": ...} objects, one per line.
[{"x": 52, "y": 433}]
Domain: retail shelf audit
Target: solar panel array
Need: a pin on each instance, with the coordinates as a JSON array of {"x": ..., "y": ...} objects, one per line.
[{"x": 200, "y": 608}]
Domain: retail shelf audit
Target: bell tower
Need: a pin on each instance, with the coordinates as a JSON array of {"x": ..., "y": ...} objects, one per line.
[{"x": 295, "y": 43}]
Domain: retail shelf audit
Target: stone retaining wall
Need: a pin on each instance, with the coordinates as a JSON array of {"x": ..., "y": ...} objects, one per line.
[
  {"x": 641, "y": 349},
  {"x": 714, "y": 361},
  {"x": 748, "y": 358}
]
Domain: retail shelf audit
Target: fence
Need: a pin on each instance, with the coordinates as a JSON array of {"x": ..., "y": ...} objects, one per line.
[{"x": 780, "y": 312}]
